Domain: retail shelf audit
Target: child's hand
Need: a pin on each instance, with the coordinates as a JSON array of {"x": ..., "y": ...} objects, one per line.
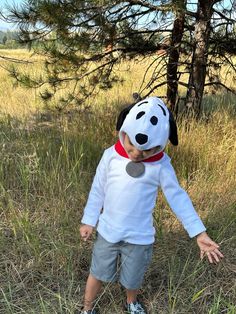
[
  {"x": 85, "y": 232},
  {"x": 208, "y": 247}
]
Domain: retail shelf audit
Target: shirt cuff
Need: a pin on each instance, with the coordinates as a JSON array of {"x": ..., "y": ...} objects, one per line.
[
  {"x": 195, "y": 229},
  {"x": 89, "y": 220}
]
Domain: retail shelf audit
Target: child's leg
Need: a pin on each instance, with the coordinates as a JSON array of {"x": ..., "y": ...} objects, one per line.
[
  {"x": 103, "y": 269},
  {"x": 131, "y": 296},
  {"x": 93, "y": 287},
  {"x": 134, "y": 262}
]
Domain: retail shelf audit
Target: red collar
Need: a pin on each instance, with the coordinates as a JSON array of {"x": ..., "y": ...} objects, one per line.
[{"x": 121, "y": 151}]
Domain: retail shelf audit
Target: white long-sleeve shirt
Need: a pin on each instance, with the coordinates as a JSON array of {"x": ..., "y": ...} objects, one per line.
[{"x": 122, "y": 206}]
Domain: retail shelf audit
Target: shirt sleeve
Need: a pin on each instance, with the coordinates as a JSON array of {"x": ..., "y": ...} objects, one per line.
[
  {"x": 180, "y": 201},
  {"x": 95, "y": 200}
]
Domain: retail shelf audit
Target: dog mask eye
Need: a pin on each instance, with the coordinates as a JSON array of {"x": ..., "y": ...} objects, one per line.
[
  {"x": 140, "y": 114},
  {"x": 154, "y": 120}
]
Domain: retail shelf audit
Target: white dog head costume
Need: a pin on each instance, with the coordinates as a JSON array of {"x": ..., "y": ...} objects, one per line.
[{"x": 148, "y": 123}]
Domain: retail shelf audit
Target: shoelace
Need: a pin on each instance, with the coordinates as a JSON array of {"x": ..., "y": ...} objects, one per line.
[{"x": 136, "y": 308}]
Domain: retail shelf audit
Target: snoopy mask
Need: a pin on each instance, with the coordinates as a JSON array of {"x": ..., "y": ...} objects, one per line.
[{"x": 148, "y": 123}]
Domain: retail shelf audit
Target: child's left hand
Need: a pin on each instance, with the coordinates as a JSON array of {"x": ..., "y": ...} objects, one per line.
[{"x": 208, "y": 247}]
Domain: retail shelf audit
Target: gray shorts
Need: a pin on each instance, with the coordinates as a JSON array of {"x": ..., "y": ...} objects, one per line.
[{"x": 122, "y": 261}]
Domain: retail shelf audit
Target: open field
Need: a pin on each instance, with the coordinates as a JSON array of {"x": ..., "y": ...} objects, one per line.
[{"x": 46, "y": 167}]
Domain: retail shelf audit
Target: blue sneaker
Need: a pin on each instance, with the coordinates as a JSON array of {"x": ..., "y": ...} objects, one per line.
[{"x": 135, "y": 308}]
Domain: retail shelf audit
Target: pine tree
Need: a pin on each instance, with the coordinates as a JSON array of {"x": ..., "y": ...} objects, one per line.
[{"x": 82, "y": 41}]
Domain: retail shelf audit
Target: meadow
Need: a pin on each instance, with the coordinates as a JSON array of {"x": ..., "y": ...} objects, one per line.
[{"x": 46, "y": 168}]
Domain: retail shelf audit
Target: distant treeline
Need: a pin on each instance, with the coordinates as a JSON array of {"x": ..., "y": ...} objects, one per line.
[{"x": 9, "y": 40}]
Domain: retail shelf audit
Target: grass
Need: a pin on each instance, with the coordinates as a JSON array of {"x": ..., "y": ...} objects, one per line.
[{"x": 46, "y": 167}]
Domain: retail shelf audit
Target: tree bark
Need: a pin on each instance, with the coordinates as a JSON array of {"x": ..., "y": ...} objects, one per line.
[
  {"x": 199, "y": 58},
  {"x": 172, "y": 67}
]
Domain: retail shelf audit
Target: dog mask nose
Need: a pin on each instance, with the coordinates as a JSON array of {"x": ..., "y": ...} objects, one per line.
[{"x": 141, "y": 138}]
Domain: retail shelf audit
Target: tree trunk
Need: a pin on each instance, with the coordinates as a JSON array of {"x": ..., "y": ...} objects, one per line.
[
  {"x": 199, "y": 58},
  {"x": 172, "y": 67}
]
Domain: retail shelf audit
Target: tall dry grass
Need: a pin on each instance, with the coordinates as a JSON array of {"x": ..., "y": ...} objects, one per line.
[{"x": 46, "y": 168}]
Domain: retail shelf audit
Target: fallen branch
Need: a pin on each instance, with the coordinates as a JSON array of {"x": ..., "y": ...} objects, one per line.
[{"x": 15, "y": 60}]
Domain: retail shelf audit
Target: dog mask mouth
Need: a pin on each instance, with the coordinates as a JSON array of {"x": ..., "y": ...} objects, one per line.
[{"x": 158, "y": 149}]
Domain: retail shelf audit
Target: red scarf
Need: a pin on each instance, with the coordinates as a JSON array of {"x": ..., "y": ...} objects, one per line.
[{"x": 121, "y": 151}]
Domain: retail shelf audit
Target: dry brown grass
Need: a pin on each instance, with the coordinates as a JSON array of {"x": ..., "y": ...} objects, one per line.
[{"x": 46, "y": 170}]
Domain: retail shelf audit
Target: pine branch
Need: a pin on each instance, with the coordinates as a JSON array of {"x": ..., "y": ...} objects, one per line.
[
  {"x": 224, "y": 16},
  {"x": 133, "y": 15},
  {"x": 155, "y": 31},
  {"x": 15, "y": 60},
  {"x": 146, "y": 4},
  {"x": 230, "y": 62},
  {"x": 233, "y": 91},
  {"x": 154, "y": 88},
  {"x": 158, "y": 60}
]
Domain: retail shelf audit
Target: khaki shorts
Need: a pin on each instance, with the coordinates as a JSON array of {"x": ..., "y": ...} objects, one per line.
[{"x": 122, "y": 261}]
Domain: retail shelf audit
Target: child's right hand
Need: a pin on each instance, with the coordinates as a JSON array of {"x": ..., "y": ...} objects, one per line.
[{"x": 85, "y": 232}]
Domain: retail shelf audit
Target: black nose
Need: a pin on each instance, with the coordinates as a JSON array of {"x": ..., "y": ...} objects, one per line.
[{"x": 141, "y": 138}]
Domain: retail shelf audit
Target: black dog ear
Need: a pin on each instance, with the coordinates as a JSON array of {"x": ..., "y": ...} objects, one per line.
[
  {"x": 122, "y": 116},
  {"x": 125, "y": 111},
  {"x": 173, "y": 137}
]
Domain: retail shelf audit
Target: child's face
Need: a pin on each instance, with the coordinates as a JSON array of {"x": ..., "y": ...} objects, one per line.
[{"x": 135, "y": 154}]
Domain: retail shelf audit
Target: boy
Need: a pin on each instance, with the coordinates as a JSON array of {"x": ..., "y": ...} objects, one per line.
[{"x": 125, "y": 187}]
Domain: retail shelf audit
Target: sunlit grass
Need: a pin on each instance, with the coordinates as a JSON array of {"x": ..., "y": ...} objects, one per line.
[{"x": 46, "y": 168}]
